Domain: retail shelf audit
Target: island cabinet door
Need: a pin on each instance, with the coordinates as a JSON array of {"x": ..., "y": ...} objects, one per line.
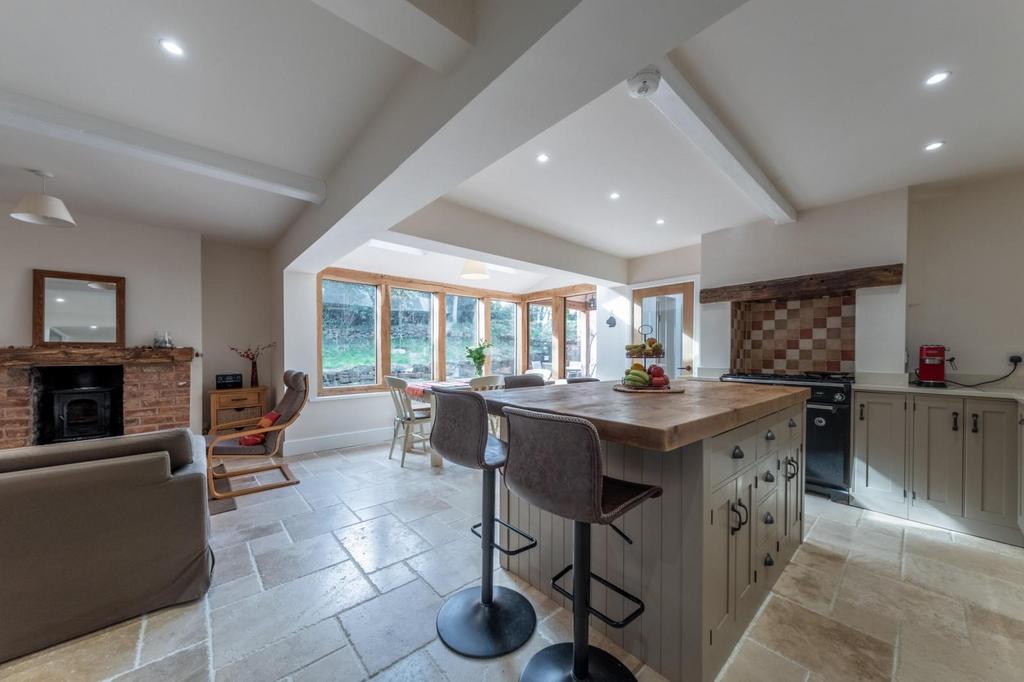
[
  {"x": 722, "y": 519},
  {"x": 880, "y": 452},
  {"x": 1020, "y": 466},
  {"x": 938, "y": 455},
  {"x": 748, "y": 589},
  {"x": 791, "y": 469},
  {"x": 990, "y": 462}
]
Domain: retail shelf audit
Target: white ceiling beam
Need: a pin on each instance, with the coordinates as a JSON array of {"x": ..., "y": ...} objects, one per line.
[
  {"x": 405, "y": 27},
  {"x": 676, "y": 99},
  {"x": 43, "y": 118}
]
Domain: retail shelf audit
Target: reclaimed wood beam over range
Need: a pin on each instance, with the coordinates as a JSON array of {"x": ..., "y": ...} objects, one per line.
[{"x": 806, "y": 286}]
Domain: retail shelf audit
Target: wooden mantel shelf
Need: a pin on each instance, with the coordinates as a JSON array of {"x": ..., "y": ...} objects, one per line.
[
  {"x": 42, "y": 356},
  {"x": 807, "y": 286}
]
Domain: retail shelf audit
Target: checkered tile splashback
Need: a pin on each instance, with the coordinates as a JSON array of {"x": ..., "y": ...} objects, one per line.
[{"x": 802, "y": 335}]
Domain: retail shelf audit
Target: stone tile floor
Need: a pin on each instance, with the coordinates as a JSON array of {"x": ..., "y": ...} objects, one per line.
[{"x": 340, "y": 578}]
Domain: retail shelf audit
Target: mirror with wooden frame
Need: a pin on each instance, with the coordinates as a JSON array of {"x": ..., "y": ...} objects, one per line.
[{"x": 73, "y": 308}]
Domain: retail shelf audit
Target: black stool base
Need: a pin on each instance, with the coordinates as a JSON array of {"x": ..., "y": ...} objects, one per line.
[
  {"x": 554, "y": 664},
  {"x": 469, "y": 628}
]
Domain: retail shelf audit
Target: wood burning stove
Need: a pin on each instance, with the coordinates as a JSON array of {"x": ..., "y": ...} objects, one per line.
[
  {"x": 82, "y": 413},
  {"x": 76, "y": 403}
]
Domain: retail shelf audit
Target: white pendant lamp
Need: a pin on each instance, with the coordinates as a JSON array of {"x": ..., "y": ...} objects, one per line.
[
  {"x": 474, "y": 269},
  {"x": 42, "y": 208}
]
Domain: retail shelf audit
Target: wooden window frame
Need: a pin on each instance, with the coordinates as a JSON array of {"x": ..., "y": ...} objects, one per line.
[{"x": 439, "y": 290}]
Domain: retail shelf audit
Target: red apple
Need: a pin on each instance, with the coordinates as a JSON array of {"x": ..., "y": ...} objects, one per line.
[
  {"x": 659, "y": 382},
  {"x": 656, "y": 371}
]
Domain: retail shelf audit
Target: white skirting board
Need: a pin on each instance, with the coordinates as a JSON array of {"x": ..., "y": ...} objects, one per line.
[{"x": 300, "y": 446}]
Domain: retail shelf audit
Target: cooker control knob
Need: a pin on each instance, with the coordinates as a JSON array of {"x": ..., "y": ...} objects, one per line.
[{"x": 839, "y": 397}]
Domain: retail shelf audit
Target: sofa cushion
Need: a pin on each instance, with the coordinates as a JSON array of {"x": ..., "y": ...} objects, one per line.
[
  {"x": 233, "y": 447},
  {"x": 176, "y": 442}
]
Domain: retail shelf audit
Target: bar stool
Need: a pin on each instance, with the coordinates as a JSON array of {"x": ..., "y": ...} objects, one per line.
[
  {"x": 554, "y": 463},
  {"x": 494, "y": 620}
]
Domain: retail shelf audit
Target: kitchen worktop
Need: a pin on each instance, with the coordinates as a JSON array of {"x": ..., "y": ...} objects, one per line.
[
  {"x": 899, "y": 384},
  {"x": 660, "y": 422}
]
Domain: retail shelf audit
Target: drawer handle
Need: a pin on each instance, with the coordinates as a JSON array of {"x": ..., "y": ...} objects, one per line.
[
  {"x": 768, "y": 519},
  {"x": 792, "y": 423},
  {"x": 956, "y": 421},
  {"x": 769, "y": 477},
  {"x": 770, "y": 435},
  {"x": 790, "y": 462},
  {"x": 737, "y": 452},
  {"x": 974, "y": 423},
  {"x": 744, "y": 517},
  {"x": 862, "y": 411},
  {"x": 735, "y": 529},
  {"x": 768, "y": 560}
]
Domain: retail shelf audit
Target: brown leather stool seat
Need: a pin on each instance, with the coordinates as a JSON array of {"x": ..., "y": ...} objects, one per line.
[
  {"x": 494, "y": 620},
  {"x": 555, "y": 463}
]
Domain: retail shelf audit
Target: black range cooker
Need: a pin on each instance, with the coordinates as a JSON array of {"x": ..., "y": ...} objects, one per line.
[{"x": 827, "y": 444}]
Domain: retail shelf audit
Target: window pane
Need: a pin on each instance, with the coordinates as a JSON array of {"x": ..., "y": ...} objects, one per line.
[
  {"x": 503, "y": 336},
  {"x": 540, "y": 335},
  {"x": 412, "y": 351},
  {"x": 462, "y": 329},
  {"x": 349, "y": 334},
  {"x": 580, "y": 337}
]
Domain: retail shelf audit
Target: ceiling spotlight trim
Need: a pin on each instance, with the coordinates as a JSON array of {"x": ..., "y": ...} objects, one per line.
[
  {"x": 935, "y": 145},
  {"x": 937, "y": 78},
  {"x": 172, "y": 47}
]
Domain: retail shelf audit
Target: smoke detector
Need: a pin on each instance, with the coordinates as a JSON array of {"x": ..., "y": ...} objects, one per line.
[{"x": 644, "y": 82}]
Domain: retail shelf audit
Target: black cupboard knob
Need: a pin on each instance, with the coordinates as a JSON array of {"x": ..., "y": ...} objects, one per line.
[
  {"x": 737, "y": 452},
  {"x": 770, "y": 435},
  {"x": 768, "y": 560},
  {"x": 792, "y": 423},
  {"x": 768, "y": 518},
  {"x": 769, "y": 477}
]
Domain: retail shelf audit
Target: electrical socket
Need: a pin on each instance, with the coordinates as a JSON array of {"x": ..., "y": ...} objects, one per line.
[{"x": 1016, "y": 359}]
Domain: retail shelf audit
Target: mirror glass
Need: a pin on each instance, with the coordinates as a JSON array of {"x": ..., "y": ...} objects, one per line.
[
  {"x": 666, "y": 314},
  {"x": 79, "y": 311}
]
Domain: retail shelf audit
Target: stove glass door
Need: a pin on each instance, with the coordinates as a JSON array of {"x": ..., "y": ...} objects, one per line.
[{"x": 828, "y": 446}]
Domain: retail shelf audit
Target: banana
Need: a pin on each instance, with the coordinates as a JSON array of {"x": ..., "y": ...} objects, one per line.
[{"x": 641, "y": 375}]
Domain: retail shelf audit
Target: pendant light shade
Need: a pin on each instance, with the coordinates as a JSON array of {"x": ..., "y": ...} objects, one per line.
[
  {"x": 474, "y": 269},
  {"x": 40, "y": 208}
]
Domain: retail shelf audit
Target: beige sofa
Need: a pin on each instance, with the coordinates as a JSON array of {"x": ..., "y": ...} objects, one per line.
[{"x": 95, "y": 532}]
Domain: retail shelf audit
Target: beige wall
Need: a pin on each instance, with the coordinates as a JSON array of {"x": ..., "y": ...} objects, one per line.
[
  {"x": 964, "y": 272},
  {"x": 665, "y": 265},
  {"x": 161, "y": 268},
  {"x": 238, "y": 310}
]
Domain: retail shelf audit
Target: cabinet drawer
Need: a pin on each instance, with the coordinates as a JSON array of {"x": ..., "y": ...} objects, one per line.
[
  {"x": 767, "y": 476},
  {"x": 766, "y": 528},
  {"x": 238, "y": 413},
  {"x": 235, "y": 401},
  {"x": 731, "y": 452},
  {"x": 772, "y": 431}
]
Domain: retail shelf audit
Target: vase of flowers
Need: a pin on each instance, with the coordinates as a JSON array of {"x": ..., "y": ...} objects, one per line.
[
  {"x": 252, "y": 354},
  {"x": 478, "y": 354}
]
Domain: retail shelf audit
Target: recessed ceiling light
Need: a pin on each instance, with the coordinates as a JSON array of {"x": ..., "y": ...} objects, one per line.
[
  {"x": 934, "y": 146},
  {"x": 613, "y": 196},
  {"x": 543, "y": 158},
  {"x": 92, "y": 326},
  {"x": 938, "y": 77},
  {"x": 172, "y": 47},
  {"x": 659, "y": 221},
  {"x": 59, "y": 300}
]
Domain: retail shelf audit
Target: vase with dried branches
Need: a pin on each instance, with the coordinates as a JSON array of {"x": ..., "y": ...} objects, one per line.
[{"x": 252, "y": 354}]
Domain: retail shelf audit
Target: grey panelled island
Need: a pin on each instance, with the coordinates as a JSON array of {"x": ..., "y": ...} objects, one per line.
[{"x": 730, "y": 459}]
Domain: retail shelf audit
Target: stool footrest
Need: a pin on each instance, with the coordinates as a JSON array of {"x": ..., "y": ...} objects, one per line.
[
  {"x": 618, "y": 624},
  {"x": 531, "y": 541}
]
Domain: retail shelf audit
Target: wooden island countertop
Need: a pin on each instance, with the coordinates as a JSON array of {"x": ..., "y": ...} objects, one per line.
[{"x": 654, "y": 422}]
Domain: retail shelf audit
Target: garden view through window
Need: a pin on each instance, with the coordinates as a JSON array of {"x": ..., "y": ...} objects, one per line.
[
  {"x": 462, "y": 329},
  {"x": 539, "y": 336},
  {"x": 503, "y": 337},
  {"x": 580, "y": 337},
  {"x": 349, "y": 334},
  {"x": 412, "y": 348}
]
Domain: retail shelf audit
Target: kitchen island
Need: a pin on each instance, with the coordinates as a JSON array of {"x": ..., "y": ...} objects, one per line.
[{"x": 706, "y": 553}]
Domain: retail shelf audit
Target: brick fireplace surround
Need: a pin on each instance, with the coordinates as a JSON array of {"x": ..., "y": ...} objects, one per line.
[{"x": 156, "y": 386}]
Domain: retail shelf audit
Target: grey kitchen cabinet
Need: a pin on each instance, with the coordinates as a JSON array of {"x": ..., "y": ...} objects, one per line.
[
  {"x": 721, "y": 521},
  {"x": 792, "y": 471},
  {"x": 938, "y": 454},
  {"x": 745, "y": 577},
  {"x": 880, "y": 452},
  {"x": 1020, "y": 466},
  {"x": 990, "y": 462}
]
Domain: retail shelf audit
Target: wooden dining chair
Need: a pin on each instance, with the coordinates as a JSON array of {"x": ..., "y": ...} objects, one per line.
[
  {"x": 407, "y": 418},
  {"x": 491, "y": 382},
  {"x": 220, "y": 445}
]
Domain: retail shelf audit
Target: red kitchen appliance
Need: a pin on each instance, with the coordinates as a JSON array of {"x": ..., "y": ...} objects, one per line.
[{"x": 931, "y": 366}]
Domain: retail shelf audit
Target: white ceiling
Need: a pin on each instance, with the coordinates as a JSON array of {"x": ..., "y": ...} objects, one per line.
[
  {"x": 286, "y": 84},
  {"x": 614, "y": 143},
  {"x": 827, "y": 94},
  {"x": 440, "y": 267}
]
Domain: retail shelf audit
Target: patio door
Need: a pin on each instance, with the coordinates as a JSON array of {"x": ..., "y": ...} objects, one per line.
[{"x": 668, "y": 310}]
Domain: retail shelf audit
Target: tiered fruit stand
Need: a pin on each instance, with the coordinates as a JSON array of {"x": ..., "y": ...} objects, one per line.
[{"x": 645, "y": 352}]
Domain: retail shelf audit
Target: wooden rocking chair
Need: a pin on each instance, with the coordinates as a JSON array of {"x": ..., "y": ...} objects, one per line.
[{"x": 222, "y": 446}]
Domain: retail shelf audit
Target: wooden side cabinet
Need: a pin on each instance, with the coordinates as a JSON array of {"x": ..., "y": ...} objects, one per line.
[{"x": 236, "y": 404}]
